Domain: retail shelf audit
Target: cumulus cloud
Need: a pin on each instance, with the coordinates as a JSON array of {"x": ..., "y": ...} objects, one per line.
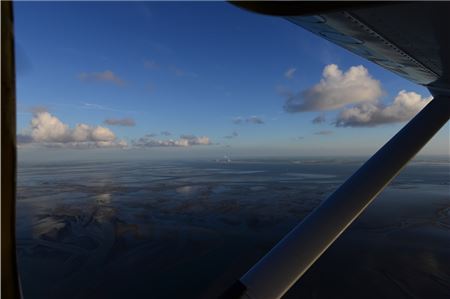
[
  {"x": 319, "y": 119},
  {"x": 358, "y": 97},
  {"x": 234, "y": 134},
  {"x": 405, "y": 106},
  {"x": 289, "y": 74},
  {"x": 194, "y": 140},
  {"x": 335, "y": 90},
  {"x": 47, "y": 130},
  {"x": 125, "y": 122},
  {"x": 323, "y": 133},
  {"x": 251, "y": 119},
  {"x": 106, "y": 76},
  {"x": 184, "y": 141}
]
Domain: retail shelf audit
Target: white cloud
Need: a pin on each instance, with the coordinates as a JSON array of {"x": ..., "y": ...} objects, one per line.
[
  {"x": 289, "y": 74},
  {"x": 81, "y": 132},
  {"x": 336, "y": 90},
  {"x": 107, "y": 76},
  {"x": 102, "y": 134},
  {"x": 404, "y": 107},
  {"x": 184, "y": 141},
  {"x": 49, "y": 131},
  {"x": 48, "y": 128},
  {"x": 194, "y": 140}
]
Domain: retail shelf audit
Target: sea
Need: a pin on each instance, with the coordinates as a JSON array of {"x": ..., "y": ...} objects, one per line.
[{"x": 189, "y": 229}]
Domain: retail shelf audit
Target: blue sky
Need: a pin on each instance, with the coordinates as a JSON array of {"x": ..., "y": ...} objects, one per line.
[{"x": 199, "y": 69}]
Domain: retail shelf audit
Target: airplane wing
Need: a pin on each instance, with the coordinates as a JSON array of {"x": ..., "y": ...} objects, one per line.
[{"x": 410, "y": 39}]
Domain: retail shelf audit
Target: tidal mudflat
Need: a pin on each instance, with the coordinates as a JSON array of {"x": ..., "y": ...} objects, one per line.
[{"x": 147, "y": 229}]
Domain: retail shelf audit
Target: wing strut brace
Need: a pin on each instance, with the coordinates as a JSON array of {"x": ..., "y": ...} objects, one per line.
[{"x": 273, "y": 275}]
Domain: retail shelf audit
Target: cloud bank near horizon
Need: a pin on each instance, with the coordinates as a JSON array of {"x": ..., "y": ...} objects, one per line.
[
  {"x": 49, "y": 131},
  {"x": 149, "y": 141}
]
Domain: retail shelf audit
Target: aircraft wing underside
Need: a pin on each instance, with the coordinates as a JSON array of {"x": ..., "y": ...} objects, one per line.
[{"x": 409, "y": 39}]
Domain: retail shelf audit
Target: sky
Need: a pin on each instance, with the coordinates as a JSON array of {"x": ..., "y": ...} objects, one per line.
[{"x": 191, "y": 80}]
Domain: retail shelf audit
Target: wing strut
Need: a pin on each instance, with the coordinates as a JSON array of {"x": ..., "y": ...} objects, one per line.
[{"x": 273, "y": 275}]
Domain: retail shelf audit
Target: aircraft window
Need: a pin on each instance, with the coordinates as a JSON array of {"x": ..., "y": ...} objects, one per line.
[{"x": 164, "y": 147}]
